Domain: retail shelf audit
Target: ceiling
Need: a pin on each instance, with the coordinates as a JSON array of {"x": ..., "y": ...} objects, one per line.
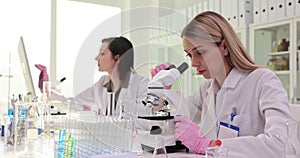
[{"x": 113, "y": 3}]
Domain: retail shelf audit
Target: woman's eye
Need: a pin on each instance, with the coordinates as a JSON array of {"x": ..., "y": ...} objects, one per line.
[
  {"x": 189, "y": 55},
  {"x": 101, "y": 53},
  {"x": 200, "y": 52},
  {"x": 197, "y": 53}
]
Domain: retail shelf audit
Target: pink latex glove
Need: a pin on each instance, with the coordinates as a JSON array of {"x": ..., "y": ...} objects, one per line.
[
  {"x": 155, "y": 70},
  {"x": 57, "y": 96},
  {"x": 43, "y": 75},
  {"x": 190, "y": 135},
  {"x": 71, "y": 101},
  {"x": 86, "y": 108}
]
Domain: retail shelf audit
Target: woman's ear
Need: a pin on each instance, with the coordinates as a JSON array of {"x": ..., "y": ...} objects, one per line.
[
  {"x": 224, "y": 46},
  {"x": 117, "y": 58}
]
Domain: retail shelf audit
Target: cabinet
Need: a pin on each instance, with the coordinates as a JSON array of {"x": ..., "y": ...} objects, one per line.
[
  {"x": 297, "y": 61},
  {"x": 274, "y": 44}
]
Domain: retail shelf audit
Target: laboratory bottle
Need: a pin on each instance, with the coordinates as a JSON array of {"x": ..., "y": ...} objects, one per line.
[{"x": 292, "y": 145}]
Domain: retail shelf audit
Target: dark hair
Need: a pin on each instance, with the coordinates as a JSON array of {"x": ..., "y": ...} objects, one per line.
[
  {"x": 123, "y": 47},
  {"x": 108, "y": 40}
]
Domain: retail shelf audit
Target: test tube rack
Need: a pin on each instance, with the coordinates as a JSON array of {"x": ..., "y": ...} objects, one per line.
[{"x": 102, "y": 136}]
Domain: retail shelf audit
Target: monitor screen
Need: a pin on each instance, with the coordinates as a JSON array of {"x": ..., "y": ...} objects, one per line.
[{"x": 25, "y": 68}]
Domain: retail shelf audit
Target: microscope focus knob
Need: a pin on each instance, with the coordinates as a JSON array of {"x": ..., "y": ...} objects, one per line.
[{"x": 165, "y": 102}]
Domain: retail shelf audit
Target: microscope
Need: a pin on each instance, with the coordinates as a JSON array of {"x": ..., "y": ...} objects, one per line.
[{"x": 170, "y": 103}]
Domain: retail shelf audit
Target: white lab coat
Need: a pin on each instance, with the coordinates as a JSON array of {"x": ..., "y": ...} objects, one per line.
[
  {"x": 262, "y": 111},
  {"x": 96, "y": 96}
]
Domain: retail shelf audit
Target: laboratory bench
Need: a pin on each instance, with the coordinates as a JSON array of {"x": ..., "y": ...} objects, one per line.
[
  {"x": 45, "y": 147},
  {"x": 30, "y": 149},
  {"x": 90, "y": 139},
  {"x": 84, "y": 134}
]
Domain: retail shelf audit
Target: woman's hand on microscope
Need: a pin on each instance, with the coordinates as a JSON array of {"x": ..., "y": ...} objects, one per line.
[
  {"x": 43, "y": 75},
  {"x": 158, "y": 68},
  {"x": 190, "y": 135}
]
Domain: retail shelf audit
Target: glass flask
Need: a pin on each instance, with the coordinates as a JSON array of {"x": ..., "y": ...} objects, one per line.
[
  {"x": 292, "y": 145},
  {"x": 216, "y": 152},
  {"x": 160, "y": 149}
]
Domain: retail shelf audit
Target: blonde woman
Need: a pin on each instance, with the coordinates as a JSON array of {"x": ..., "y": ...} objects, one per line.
[{"x": 241, "y": 106}]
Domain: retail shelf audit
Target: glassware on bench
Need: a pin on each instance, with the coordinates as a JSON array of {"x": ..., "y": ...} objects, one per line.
[
  {"x": 292, "y": 145},
  {"x": 216, "y": 152},
  {"x": 160, "y": 149}
]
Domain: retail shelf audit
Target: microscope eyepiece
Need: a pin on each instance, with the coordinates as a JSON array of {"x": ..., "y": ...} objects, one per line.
[{"x": 184, "y": 66}]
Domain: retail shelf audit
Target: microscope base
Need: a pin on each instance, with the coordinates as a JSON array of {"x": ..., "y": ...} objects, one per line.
[
  {"x": 172, "y": 145},
  {"x": 178, "y": 147}
]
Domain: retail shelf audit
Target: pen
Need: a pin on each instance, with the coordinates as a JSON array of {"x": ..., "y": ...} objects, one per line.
[{"x": 233, "y": 114}]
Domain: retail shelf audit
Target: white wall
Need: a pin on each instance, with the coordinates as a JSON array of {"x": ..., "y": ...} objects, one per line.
[
  {"x": 80, "y": 29},
  {"x": 76, "y": 21},
  {"x": 29, "y": 19}
]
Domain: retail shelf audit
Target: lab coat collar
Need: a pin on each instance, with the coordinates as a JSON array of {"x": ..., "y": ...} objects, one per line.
[
  {"x": 233, "y": 78},
  {"x": 131, "y": 76},
  {"x": 106, "y": 79},
  {"x": 230, "y": 82}
]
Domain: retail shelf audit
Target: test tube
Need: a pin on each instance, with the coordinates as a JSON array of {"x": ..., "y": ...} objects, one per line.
[
  {"x": 46, "y": 91},
  {"x": 98, "y": 140},
  {"x": 111, "y": 104},
  {"x": 115, "y": 137},
  {"x": 5, "y": 130},
  {"x": 127, "y": 135},
  {"x": 61, "y": 143},
  {"x": 94, "y": 140},
  {"x": 69, "y": 102},
  {"x": 15, "y": 124},
  {"x": 78, "y": 139},
  {"x": 47, "y": 119},
  {"x": 122, "y": 134},
  {"x": 89, "y": 136}
]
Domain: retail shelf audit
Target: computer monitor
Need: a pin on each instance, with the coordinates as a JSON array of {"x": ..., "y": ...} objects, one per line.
[{"x": 25, "y": 68}]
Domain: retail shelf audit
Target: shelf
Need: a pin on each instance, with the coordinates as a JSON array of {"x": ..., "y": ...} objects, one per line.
[
  {"x": 279, "y": 53},
  {"x": 283, "y": 72},
  {"x": 268, "y": 37}
]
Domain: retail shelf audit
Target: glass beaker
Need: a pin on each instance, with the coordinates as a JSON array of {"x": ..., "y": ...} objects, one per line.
[
  {"x": 160, "y": 149},
  {"x": 44, "y": 120},
  {"x": 292, "y": 145},
  {"x": 32, "y": 121},
  {"x": 216, "y": 152},
  {"x": 7, "y": 122},
  {"x": 46, "y": 91}
]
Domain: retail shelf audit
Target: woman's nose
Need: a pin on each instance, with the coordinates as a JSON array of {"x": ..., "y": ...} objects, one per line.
[
  {"x": 195, "y": 63},
  {"x": 97, "y": 57}
]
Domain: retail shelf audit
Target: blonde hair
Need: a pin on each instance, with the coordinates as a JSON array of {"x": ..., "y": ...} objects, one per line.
[{"x": 212, "y": 27}]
